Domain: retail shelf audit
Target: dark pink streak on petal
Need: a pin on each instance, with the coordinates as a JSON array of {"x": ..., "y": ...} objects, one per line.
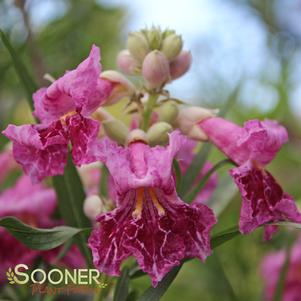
[
  {"x": 83, "y": 135},
  {"x": 263, "y": 200}
]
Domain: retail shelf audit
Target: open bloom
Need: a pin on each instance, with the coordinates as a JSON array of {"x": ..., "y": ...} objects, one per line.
[
  {"x": 252, "y": 147},
  {"x": 63, "y": 109},
  {"x": 271, "y": 270},
  {"x": 33, "y": 204},
  {"x": 150, "y": 222}
]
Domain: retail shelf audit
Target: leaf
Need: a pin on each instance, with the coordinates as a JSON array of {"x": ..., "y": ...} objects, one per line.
[
  {"x": 288, "y": 224},
  {"x": 224, "y": 236},
  {"x": 194, "y": 169},
  {"x": 178, "y": 173},
  {"x": 155, "y": 293},
  {"x": 35, "y": 238},
  {"x": 25, "y": 78},
  {"x": 122, "y": 286},
  {"x": 192, "y": 194},
  {"x": 71, "y": 196}
]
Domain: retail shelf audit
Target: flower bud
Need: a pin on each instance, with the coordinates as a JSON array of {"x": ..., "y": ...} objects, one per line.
[
  {"x": 136, "y": 135},
  {"x": 172, "y": 45},
  {"x": 137, "y": 45},
  {"x": 189, "y": 118},
  {"x": 168, "y": 112},
  {"x": 93, "y": 206},
  {"x": 181, "y": 64},
  {"x": 158, "y": 133},
  {"x": 154, "y": 37},
  {"x": 127, "y": 63},
  {"x": 122, "y": 87},
  {"x": 155, "y": 69},
  {"x": 116, "y": 130},
  {"x": 102, "y": 115}
]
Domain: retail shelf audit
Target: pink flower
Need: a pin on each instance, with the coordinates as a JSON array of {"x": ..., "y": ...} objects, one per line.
[
  {"x": 150, "y": 222},
  {"x": 33, "y": 204},
  {"x": 271, "y": 270},
  {"x": 7, "y": 164},
  {"x": 252, "y": 147},
  {"x": 63, "y": 108}
]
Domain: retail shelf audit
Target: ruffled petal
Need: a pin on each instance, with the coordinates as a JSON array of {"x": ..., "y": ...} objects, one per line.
[
  {"x": 26, "y": 198},
  {"x": 263, "y": 200},
  {"x": 257, "y": 140},
  {"x": 83, "y": 134},
  {"x": 80, "y": 89},
  {"x": 158, "y": 241},
  {"x": 40, "y": 150},
  {"x": 140, "y": 165}
]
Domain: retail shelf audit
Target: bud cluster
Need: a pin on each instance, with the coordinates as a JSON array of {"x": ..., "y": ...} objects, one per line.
[{"x": 155, "y": 54}]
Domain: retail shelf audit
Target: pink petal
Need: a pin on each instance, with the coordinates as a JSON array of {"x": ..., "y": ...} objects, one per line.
[
  {"x": 158, "y": 242},
  {"x": 257, "y": 140},
  {"x": 26, "y": 198},
  {"x": 263, "y": 200},
  {"x": 83, "y": 134},
  {"x": 41, "y": 151},
  {"x": 80, "y": 89},
  {"x": 139, "y": 164}
]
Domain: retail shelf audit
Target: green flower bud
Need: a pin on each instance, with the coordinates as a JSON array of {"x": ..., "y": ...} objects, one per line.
[
  {"x": 116, "y": 130},
  {"x": 137, "y": 45},
  {"x": 154, "y": 37},
  {"x": 168, "y": 112},
  {"x": 172, "y": 46},
  {"x": 158, "y": 133}
]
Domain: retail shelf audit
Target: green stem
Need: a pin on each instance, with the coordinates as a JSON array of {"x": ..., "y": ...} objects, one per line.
[{"x": 148, "y": 110}]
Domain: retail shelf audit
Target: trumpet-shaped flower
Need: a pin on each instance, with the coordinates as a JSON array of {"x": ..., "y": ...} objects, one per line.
[
  {"x": 63, "y": 109},
  {"x": 150, "y": 222},
  {"x": 252, "y": 147}
]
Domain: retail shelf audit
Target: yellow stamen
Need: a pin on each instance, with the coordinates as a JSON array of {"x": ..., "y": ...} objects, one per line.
[
  {"x": 153, "y": 195},
  {"x": 64, "y": 117},
  {"x": 139, "y": 203}
]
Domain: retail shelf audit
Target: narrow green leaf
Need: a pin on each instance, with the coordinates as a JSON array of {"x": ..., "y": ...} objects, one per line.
[
  {"x": 155, "y": 293},
  {"x": 71, "y": 196},
  {"x": 192, "y": 194},
  {"x": 224, "y": 236},
  {"x": 35, "y": 238},
  {"x": 178, "y": 173},
  {"x": 288, "y": 224},
  {"x": 24, "y": 75},
  {"x": 122, "y": 286},
  {"x": 104, "y": 181},
  {"x": 194, "y": 169},
  {"x": 230, "y": 102}
]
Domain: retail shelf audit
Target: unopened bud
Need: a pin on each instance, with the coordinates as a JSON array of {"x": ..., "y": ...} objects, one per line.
[
  {"x": 137, "y": 135},
  {"x": 102, "y": 115},
  {"x": 168, "y": 112},
  {"x": 127, "y": 63},
  {"x": 189, "y": 118},
  {"x": 137, "y": 45},
  {"x": 181, "y": 64},
  {"x": 172, "y": 45},
  {"x": 122, "y": 87},
  {"x": 158, "y": 133},
  {"x": 93, "y": 206},
  {"x": 116, "y": 130},
  {"x": 155, "y": 69},
  {"x": 154, "y": 37}
]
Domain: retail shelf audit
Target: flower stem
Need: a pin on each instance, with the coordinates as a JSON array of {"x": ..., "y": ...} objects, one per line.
[{"x": 148, "y": 110}]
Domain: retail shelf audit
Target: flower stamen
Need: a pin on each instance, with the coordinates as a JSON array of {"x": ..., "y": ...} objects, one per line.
[
  {"x": 139, "y": 203},
  {"x": 157, "y": 204}
]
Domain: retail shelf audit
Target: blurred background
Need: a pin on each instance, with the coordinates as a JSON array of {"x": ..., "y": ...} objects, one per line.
[{"x": 247, "y": 50}]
